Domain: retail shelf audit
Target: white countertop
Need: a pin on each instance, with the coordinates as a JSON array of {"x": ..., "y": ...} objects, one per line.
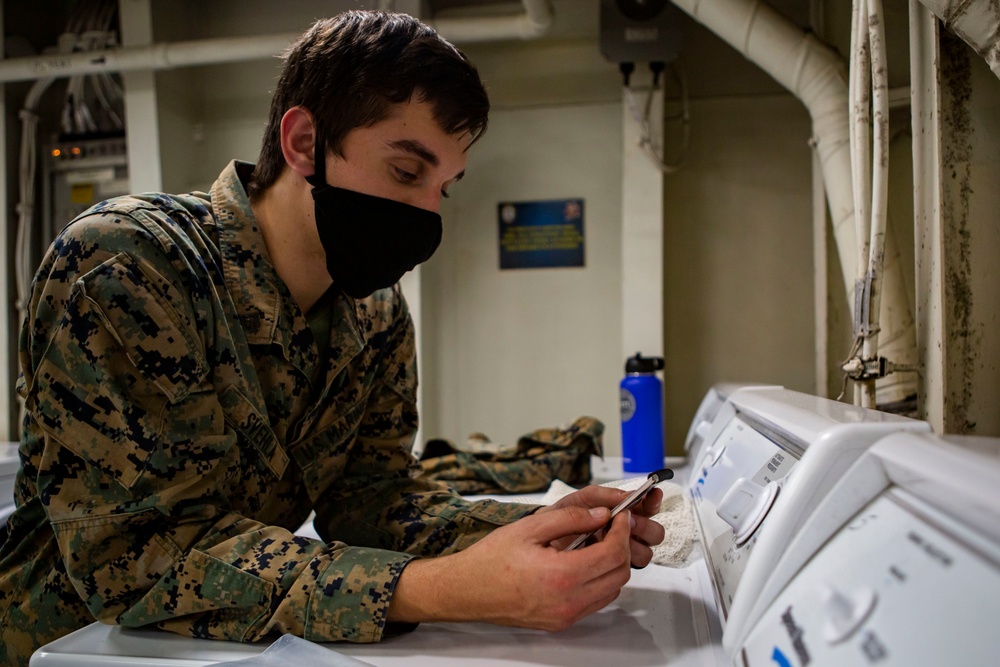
[{"x": 663, "y": 616}]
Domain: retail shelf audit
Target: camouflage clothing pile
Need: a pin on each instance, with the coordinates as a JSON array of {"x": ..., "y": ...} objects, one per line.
[
  {"x": 177, "y": 432},
  {"x": 538, "y": 458}
]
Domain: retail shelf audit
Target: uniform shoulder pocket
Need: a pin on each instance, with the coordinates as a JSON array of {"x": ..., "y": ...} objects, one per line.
[
  {"x": 132, "y": 300},
  {"x": 118, "y": 355}
]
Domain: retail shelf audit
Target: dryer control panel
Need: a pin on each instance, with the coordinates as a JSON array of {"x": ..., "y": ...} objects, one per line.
[
  {"x": 894, "y": 586},
  {"x": 736, "y": 486}
]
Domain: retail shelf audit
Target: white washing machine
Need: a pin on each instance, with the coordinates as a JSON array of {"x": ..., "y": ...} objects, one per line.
[
  {"x": 708, "y": 409},
  {"x": 756, "y": 446},
  {"x": 899, "y": 565},
  {"x": 768, "y": 458}
]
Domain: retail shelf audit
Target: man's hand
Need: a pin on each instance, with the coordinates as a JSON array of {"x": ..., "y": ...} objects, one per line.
[
  {"x": 644, "y": 533},
  {"x": 519, "y": 576}
]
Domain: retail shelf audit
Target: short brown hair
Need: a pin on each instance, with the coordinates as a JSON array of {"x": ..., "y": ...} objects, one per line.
[{"x": 350, "y": 70}]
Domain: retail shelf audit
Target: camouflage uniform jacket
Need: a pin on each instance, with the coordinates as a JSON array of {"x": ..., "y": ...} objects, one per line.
[{"x": 174, "y": 440}]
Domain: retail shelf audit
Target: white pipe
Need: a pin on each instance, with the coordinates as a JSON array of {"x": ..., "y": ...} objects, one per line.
[
  {"x": 977, "y": 22},
  {"x": 815, "y": 75},
  {"x": 931, "y": 307},
  {"x": 880, "y": 187},
  {"x": 533, "y": 22},
  {"x": 859, "y": 87},
  {"x": 8, "y": 328},
  {"x": 860, "y": 119},
  {"x": 27, "y": 166},
  {"x": 821, "y": 286},
  {"x": 154, "y": 57}
]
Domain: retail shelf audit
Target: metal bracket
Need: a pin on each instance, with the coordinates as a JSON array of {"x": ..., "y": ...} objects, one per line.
[
  {"x": 862, "y": 306},
  {"x": 860, "y": 370}
]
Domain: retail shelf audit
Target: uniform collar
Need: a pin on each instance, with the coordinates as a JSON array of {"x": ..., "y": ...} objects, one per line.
[
  {"x": 251, "y": 279},
  {"x": 264, "y": 305}
]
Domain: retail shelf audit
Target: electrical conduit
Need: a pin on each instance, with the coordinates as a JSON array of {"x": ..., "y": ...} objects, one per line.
[
  {"x": 879, "y": 189},
  {"x": 859, "y": 87}
]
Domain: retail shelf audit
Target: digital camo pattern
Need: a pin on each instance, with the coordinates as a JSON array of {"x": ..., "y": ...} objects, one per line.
[
  {"x": 174, "y": 440},
  {"x": 539, "y": 457}
]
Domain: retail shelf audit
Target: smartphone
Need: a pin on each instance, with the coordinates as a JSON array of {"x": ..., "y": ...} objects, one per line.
[{"x": 631, "y": 499}]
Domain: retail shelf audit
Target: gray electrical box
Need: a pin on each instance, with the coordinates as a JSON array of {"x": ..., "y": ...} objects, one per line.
[
  {"x": 78, "y": 174},
  {"x": 638, "y": 31}
]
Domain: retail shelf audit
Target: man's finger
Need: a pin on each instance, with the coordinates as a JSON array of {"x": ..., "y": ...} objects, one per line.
[
  {"x": 564, "y": 522},
  {"x": 650, "y": 505}
]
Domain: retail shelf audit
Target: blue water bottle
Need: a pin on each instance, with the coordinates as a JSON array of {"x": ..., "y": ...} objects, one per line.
[{"x": 642, "y": 414}]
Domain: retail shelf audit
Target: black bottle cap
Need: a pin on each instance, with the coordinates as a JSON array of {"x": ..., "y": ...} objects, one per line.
[{"x": 641, "y": 364}]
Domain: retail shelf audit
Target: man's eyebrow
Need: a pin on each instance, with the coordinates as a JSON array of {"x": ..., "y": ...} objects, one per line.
[
  {"x": 415, "y": 148},
  {"x": 418, "y": 149}
]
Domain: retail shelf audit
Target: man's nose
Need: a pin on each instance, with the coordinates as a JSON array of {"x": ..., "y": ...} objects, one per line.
[{"x": 429, "y": 200}]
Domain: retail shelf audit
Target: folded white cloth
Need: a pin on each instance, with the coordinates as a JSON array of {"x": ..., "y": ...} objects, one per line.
[{"x": 677, "y": 517}]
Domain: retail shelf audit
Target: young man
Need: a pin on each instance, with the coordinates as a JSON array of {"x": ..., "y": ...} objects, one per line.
[{"x": 201, "y": 372}]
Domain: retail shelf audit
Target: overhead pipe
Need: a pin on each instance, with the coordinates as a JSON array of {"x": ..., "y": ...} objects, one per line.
[
  {"x": 534, "y": 21},
  {"x": 815, "y": 75},
  {"x": 977, "y": 22},
  {"x": 153, "y": 57}
]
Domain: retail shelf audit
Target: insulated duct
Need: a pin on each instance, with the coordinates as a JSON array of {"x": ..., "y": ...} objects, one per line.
[
  {"x": 534, "y": 21},
  {"x": 977, "y": 22},
  {"x": 815, "y": 75}
]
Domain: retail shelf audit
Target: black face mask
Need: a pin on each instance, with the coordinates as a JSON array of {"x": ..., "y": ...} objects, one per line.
[{"x": 370, "y": 242}]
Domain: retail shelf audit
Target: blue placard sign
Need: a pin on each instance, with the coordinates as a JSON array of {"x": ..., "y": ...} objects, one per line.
[{"x": 541, "y": 234}]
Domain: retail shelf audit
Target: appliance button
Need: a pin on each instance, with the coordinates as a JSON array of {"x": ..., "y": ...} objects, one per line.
[{"x": 845, "y": 614}]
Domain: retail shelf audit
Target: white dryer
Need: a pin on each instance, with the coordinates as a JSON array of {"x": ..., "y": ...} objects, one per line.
[
  {"x": 899, "y": 565},
  {"x": 768, "y": 458},
  {"x": 704, "y": 417}
]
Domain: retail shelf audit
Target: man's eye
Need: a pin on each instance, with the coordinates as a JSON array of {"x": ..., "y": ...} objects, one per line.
[{"x": 405, "y": 176}]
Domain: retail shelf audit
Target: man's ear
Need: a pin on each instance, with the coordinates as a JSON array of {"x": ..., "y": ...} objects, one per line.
[{"x": 298, "y": 140}]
